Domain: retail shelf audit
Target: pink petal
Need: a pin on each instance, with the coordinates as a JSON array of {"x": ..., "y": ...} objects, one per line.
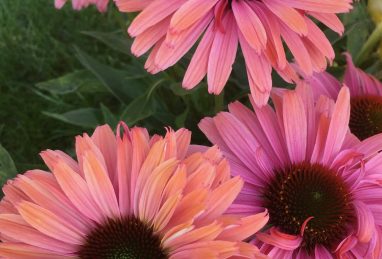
[
  {"x": 330, "y": 20},
  {"x": 295, "y": 126},
  {"x": 147, "y": 39},
  {"x": 153, "y": 14},
  {"x": 280, "y": 240},
  {"x": 168, "y": 54},
  {"x": 238, "y": 138},
  {"x": 298, "y": 49},
  {"x": 50, "y": 224},
  {"x": 124, "y": 162},
  {"x": 275, "y": 50},
  {"x": 245, "y": 227},
  {"x": 221, "y": 198},
  {"x": 204, "y": 233},
  {"x": 359, "y": 82},
  {"x": 365, "y": 219},
  {"x": 321, "y": 252},
  {"x": 324, "y": 84},
  {"x": 251, "y": 121},
  {"x": 319, "y": 40},
  {"x": 51, "y": 198},
  {"x": 338, "y": 126},
  {"x": 290, "y": 16},
  {"x": 198, "y": 66},
  {"x": 23, "y": 251},
  {"x": 323, "y": 6},
  {"x": 15, "y": 227},
  {"x": 189, "y": 13},
  {"x": 151, "y": 196},
  {"x": 269, "y": 123},
  {"x": 131, "y": 5},
  {"x": 76, "y": 189},
  {"x": 104, "y": 138},
  {"x": 259, "y": 72},
  {"x": 51, "y": 157},
  {"x": 59, "y": 3},
  {"x": 100, "y": 186},
  {"x": 250, "y": 25},
  {"x": 222, "y": 55}
]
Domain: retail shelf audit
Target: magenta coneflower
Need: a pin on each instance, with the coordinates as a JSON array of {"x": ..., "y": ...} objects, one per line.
[
  {"x": 171, "y": 28},
  {"x": 80, "y": 4},
  {"x": 320, "y": 184},
  {"x": 128, "y": 196},
  {"x": 365, "y": 96}
]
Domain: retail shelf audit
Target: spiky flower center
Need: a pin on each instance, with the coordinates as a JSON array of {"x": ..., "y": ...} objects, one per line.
[
  {"x": 366, "y": 116},
  {"x": 126, "y": 238},
  {"x": 314, "y": 194}
]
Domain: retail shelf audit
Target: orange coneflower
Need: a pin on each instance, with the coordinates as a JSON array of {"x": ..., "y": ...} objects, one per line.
[{"x": 128, "y": 196}]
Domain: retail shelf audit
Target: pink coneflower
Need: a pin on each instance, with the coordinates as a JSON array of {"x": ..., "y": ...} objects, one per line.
[
  {"x": 171, "y": 28},
  {"x": 128, "y": 196},
  {"x": 365, "y": 93},
  {"x": 80, "y": 4},
  {"x": 320, "y": 184}
]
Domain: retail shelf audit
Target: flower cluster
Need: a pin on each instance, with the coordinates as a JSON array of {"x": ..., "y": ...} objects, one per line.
[{"x": 171, "y": 28}]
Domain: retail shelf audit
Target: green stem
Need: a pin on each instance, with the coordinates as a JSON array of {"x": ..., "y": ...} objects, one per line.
[{"x": 370, "y": 44}]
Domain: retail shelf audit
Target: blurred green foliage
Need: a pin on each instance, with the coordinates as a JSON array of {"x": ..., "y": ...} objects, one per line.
[
  {"x": 65, "y": 72},
  {"x": 36, "y": 44}
]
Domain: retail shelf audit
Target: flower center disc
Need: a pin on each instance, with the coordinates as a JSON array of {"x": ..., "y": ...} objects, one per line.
[
  {"x": 126, "y": 238},
  {"x": 366, "y": 116},
  {"x": 308, "y": 190}
]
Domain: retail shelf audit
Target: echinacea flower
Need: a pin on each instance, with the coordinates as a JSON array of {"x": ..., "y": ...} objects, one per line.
[
  {"x": 80, "y": 4},
  {"x": 321, "y": 185},
  {"x": 365, "y": 94},
  {"x": 128, "y": 196},
  {"x": 171, "y": 28}
]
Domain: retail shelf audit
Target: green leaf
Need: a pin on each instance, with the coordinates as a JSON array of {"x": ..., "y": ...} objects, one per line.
[
  {"x": 85, "y": 117},
  {"x": 357, "y": 37},
  {"x": 7, "y": 166},
  {"x": 202, "y": 100},
  {"x": 358, "y": 26},
  {"x": 137, "y": 110},
  {"x": 136, "y": 86},
  {"x": 370, "y": 45},
  {"x": 112, "y": 79},
  {"x": 119, "y": 42},
  {"x": 137, "y": 70},
  {"x": 108, "y": 116},
  {"x": 178, "y": 90},
  {"x": 181, "y": 119},
  {"x": 141, "y": 107},
  {"x": 68, "y": 83}
]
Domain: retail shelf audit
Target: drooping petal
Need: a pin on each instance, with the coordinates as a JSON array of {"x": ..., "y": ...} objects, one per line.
[{"x": 222, "y": 55}]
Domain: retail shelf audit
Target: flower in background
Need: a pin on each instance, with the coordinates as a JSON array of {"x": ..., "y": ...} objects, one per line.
[
  {"x": 171, "y": 28},
  {"x": 320, "y": 184},
  {"x": 128, "y": 196},
  {"x": 80, "y": 4},
  {"x": 365, "y": 93}
]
